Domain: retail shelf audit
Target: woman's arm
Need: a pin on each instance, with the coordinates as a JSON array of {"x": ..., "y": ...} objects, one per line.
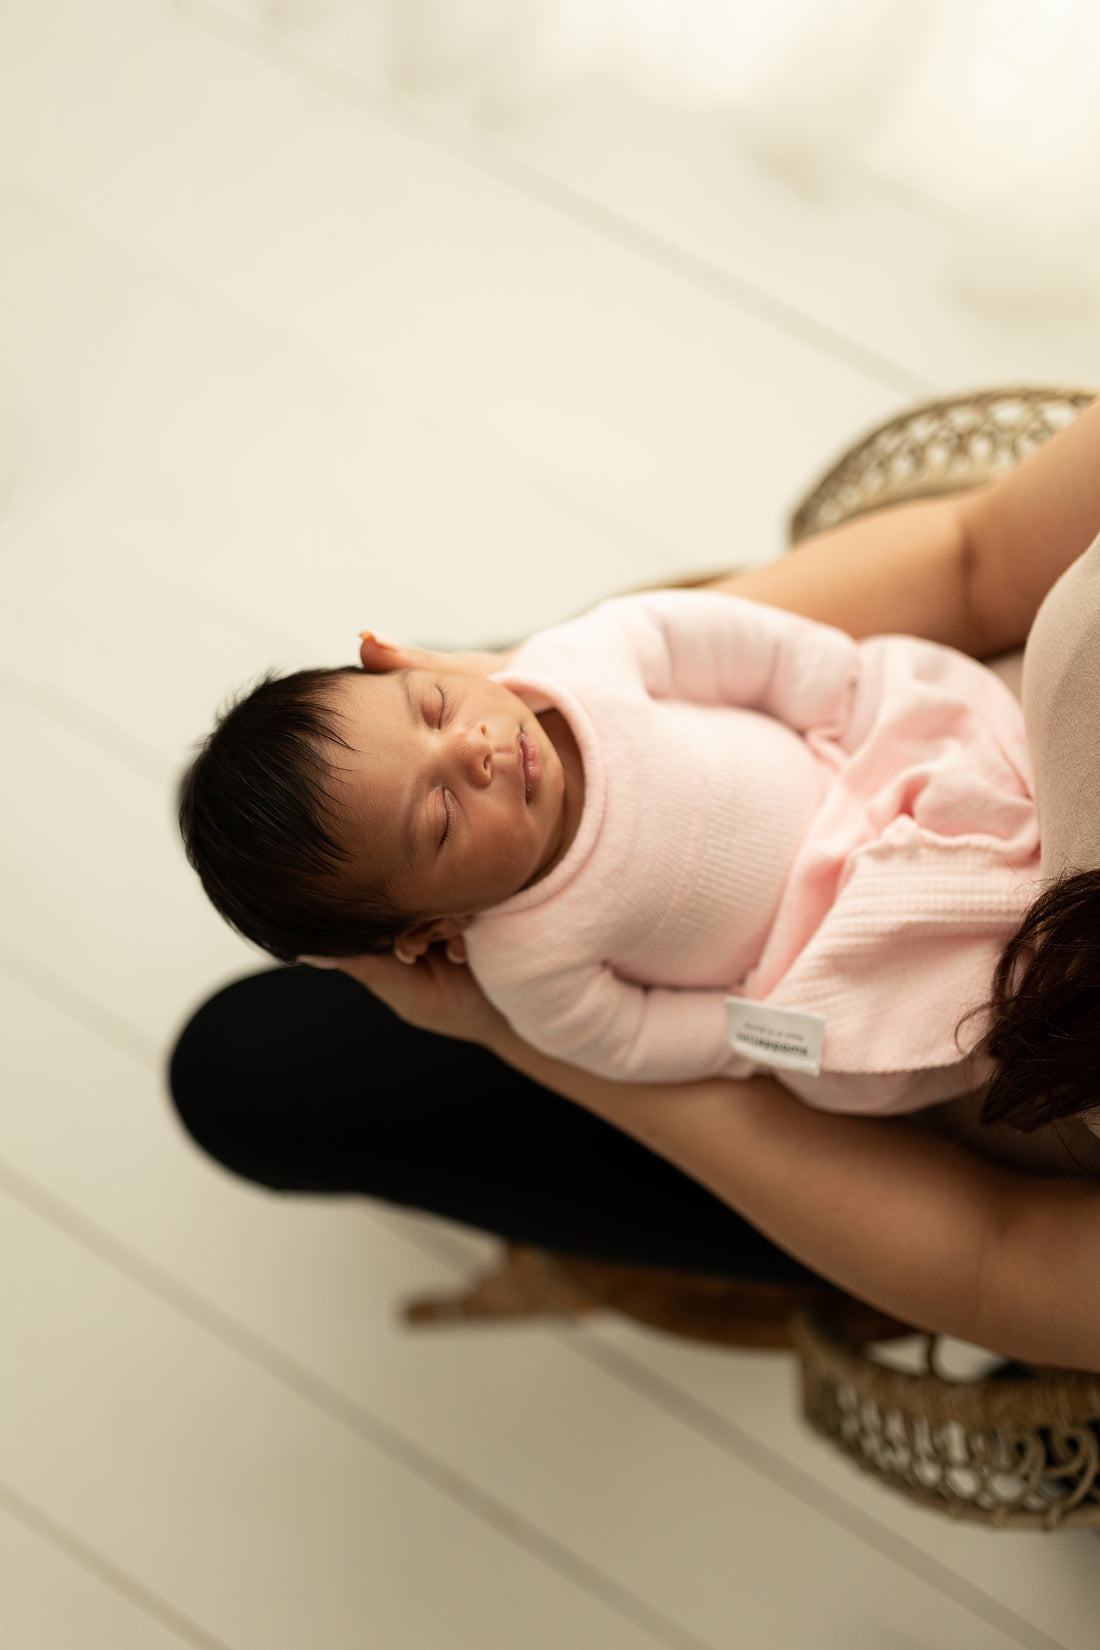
[
  {"x": 905, "y": 568},
  {"x": 918, "y": 1226},
  {"x": 970, "y": 569}
]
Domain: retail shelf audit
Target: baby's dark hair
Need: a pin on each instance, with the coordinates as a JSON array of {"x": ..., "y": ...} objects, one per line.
[{"x": 259, "y": 821}]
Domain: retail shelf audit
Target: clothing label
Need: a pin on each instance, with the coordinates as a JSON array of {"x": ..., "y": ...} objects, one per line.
[{"x": 782, "y": 1037}]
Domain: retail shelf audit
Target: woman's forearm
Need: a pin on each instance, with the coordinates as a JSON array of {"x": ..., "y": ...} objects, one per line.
[
  {"x": 913, "y": 1224},
  {"x": 902, "y": 569},
  {"x": 1027, "y": 528},
  {"x": 970, "y": 569},
  {"x": 876, "y": 1206}
]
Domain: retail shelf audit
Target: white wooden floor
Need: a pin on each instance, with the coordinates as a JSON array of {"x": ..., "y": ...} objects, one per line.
[{"x": 282, "y": 355}]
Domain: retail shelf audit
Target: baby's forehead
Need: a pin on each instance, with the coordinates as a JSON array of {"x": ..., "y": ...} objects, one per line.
[
  {"x": 370, "y": 723},
  {"x": 350, "y": 688},
  {"x": 357, "y": 680}
]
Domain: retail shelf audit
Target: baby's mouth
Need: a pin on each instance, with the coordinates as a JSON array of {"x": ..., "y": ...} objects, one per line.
[{"x": 532, "y": 766}]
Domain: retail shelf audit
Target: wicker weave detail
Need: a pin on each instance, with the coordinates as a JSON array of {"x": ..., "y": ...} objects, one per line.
[
  {"x": 941, "y": 447},
  {"x": 1022, "y": 1453}
]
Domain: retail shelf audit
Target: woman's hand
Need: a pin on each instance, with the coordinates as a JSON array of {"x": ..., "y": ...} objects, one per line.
[
  {"x": 435, "y": 993},
  {"x": 378, "y": 654}
]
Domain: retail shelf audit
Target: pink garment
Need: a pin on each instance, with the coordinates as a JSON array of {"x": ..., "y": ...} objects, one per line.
[{"x": 775, "y": 811}]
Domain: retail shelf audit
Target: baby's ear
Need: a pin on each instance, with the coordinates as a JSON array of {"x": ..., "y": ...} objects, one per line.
[{"x": 413, "y": 943}]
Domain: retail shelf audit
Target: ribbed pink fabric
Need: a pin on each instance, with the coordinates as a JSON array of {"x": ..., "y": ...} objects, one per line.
[{"x": 774, "y": 810}]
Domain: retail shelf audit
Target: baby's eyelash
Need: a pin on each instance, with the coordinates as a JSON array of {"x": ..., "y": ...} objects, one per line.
[
  {"x": 446, "y": 820},
  {"x": 442, "y": 705}
]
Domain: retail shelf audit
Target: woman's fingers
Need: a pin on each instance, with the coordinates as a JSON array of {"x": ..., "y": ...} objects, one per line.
[
  {"x": 378, "y": 653},
  {"x": 385, "y": 975},
  {"x": 433, "y": 993}
]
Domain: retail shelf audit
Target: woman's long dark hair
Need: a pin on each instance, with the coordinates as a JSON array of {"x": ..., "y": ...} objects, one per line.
[{"x": 1045, "y": 1031}]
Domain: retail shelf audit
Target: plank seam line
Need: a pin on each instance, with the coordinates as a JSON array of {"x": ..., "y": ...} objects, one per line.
[
  {"x": 254, "y": 1349},
  {"x": 601, "y": 220},
  {"x": 107, "y": 1572}
]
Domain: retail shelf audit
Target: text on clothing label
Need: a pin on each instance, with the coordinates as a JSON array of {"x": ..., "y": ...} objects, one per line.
[{"x": 785, "y": 1038}]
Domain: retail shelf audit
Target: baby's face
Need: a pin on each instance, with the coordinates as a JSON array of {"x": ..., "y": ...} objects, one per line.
[{"x": 453, "y": 793}]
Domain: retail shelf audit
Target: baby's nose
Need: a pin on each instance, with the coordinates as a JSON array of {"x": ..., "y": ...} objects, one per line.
[{"x": 477, "y": 754}]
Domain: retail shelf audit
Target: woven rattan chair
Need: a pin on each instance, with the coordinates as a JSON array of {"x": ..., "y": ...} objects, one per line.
[{"x": 1019, "y": 1447}]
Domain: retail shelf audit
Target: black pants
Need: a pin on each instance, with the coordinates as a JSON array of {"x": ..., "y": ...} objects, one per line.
[{"x": 301, "y": 1080}]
